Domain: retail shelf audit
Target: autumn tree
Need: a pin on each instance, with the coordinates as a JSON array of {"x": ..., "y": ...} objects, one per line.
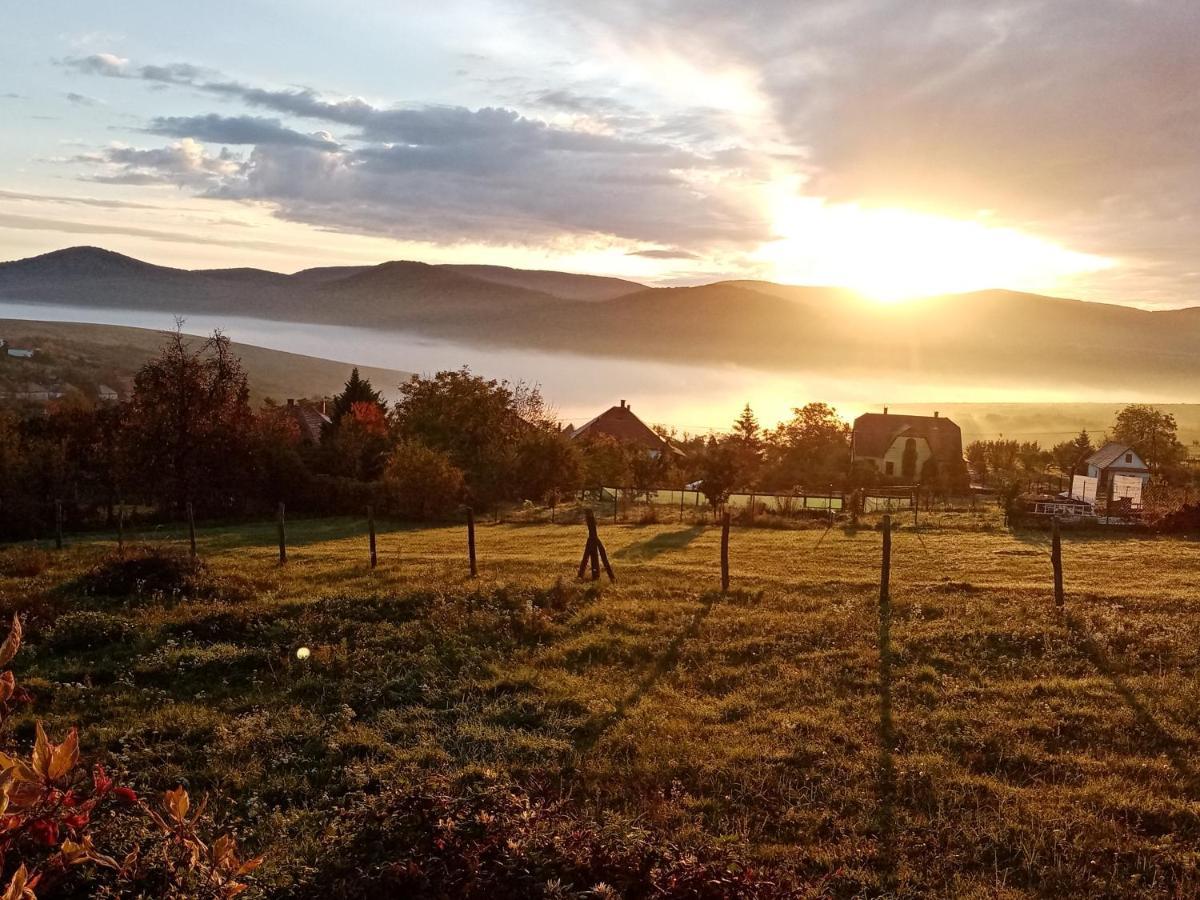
[
  {"x": 1069, "y": 456},
  {"x": 357, "y": 390},
  {"x": 746, "y": 441},
  {"x": 718, "y": 468},
  {"x": 188, "y": 423}
]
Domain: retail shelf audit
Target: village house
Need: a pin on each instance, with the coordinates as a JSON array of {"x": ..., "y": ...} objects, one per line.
[
  {"x": 1116, "y": 472},
  {"x": 907, "y": 448},
  {"x": 620, "y": 424},
  {"x": 310, "y": 419},
  {"x": 105, "y": 394}
]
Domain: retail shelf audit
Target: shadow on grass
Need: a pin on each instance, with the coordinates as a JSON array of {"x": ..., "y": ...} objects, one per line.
[
  {"x": 661, "y": 543},
  {"x": 596, "y": 727},
  {"x": 1177, "y": 751}
]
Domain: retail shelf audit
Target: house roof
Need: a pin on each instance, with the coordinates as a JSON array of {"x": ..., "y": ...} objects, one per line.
[
  {"x": 311, "y": 421},
  {"x": 874, "y": 433},
  {"x": 1110, "y": 453},
  {"x": 620, "y": 423}
]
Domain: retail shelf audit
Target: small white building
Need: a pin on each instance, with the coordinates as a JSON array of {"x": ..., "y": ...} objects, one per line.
[
  {"x": 20, "y": 353},
  {"x": 1119, "y": 472},
  {"x": 105, "y": 394}
]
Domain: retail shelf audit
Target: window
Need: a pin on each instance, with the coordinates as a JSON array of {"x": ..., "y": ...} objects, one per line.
[
  {"x": 1128, "y": 457},
  {"x": 889, "y": 468}
]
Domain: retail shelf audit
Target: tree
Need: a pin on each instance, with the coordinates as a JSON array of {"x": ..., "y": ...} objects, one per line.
[
  {"x": 746, "y": 440},
  {"x": 606, "y": 461},
  {"x": 357, "y": 390},
  {"x": 188, "y": 424},
  {"x": 717, "y": 467},
  {"x": 358, "y": 446},
  {"x": 1069, "y": 455},
  {"x": 547, "y": 465},
  {"x": 811, "y": 449},
  {"x": 477, "y": 423},
  {"x": 421, "y": 483},
  {"x": 1153, "y": 434}
]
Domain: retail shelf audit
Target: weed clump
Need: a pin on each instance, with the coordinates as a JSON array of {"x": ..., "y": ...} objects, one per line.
[
  {"x": 23, "y": 562},
  {"x": 87, "y": 630},
  {"x": 157, "y": 574}
]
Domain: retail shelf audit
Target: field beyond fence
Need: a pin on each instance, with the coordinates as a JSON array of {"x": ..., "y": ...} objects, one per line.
[{"x": 1009, "y": 748}]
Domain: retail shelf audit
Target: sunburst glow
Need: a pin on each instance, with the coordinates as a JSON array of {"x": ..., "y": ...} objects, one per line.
[{"x": 894, "y": 254}]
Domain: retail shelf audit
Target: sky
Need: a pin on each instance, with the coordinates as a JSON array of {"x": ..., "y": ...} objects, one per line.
[{"x": 899, "y": 147}]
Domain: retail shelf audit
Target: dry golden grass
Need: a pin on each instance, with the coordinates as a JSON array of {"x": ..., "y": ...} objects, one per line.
[{"x": 1032, "y": 752}]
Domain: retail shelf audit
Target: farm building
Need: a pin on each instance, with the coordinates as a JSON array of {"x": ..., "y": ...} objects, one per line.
[
  {"x": 105, "y": 394},
  {"x": 1115, "y": 472},
  {"x": 310, "y": 419},
  {"x": 619, "y": 423},
  {"x": 20, "y": 353},
  {"x": 908, "y": 448}
]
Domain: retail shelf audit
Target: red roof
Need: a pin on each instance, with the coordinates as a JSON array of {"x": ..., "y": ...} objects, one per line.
[{"x": 619, "y": 423}]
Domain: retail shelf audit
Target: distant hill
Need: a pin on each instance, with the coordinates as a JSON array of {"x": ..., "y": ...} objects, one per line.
[
  {"x": 88, "y": 355},
  {"x": 997, "y": 338}
]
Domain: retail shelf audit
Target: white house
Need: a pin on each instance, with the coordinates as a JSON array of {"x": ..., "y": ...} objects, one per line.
[{"x": 1119, "y": 472}]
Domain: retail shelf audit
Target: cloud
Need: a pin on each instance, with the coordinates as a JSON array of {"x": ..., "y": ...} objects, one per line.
[
  {"x": 217, "y": 129},
  {"x": 184, "y": 164},
  {"x": 81, "y": 99},
  {"x": 109, "y": 65},
  {"x": 668, "y": 253},
  {"x": 66, "y": 226},
  {"x": 438, "y": 172}
]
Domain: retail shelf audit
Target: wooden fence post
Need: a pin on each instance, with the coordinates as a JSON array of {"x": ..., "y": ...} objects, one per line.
[
  {"x": 885, "y": 604},
  {"x": 120, "y": 527},
  {"x": 725, "y": 553},
  {"x": 191, "y": 517},
  {"x": 371, "y": 532},
  {"x": 681, "y": 493},
  {"x": 593, "y": 551},
  {"x": 616, "y": 504},
  {"x": 471, "y": 540},
  {"x": 1056, "y": 561},
  {"x": 917, "y": 506},
  {"x": 58, "y": 525},
  {"x": 282, "y": 535}
]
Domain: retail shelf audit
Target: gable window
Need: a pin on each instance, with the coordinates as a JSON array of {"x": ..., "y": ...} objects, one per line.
[
  {"x": 889, "y": 468},
  {"x": 1128, "y": 457}
]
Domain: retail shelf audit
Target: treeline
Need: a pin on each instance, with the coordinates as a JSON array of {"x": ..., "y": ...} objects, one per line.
[
  {"x": 188, "y": 435},
  {"x": 1009, "y": 465}
]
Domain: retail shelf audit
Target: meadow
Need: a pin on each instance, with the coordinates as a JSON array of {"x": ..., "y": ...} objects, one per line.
[{"x": 526, "y": 734}]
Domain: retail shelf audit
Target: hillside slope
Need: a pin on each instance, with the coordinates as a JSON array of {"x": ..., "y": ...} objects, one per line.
[{"x": 87, "y": 355}]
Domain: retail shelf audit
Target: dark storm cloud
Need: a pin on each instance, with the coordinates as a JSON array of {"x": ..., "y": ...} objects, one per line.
[{"x": 236, "y": 130}]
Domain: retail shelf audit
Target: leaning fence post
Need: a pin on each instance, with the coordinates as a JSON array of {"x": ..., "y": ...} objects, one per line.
[
  {"x": 58, "y": 525},
  {"x": 1056, "y": 561},
  {"x": 725, "y": 553},
  {"x": 282, "y": 535},
  {"x": 471, "y": 540},
  {"x": 371, "y": 532},
  {"x": 191, "y": 517}
]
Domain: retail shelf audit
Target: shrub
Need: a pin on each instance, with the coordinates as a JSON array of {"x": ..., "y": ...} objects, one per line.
[
  {"x": 420, "y": 483},
  {"x": 482, "y": 838},
  {"x": 156, "y": 573},
  {"x": 86, "y": 630},
  {"x": 56, "y": 809},
  {"x": 23, "y": 562}
]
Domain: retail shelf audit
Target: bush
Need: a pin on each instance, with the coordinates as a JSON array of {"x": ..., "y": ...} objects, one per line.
[
  {"x": 85, "y": 630},
  {"x": 420, "y": 483},
  {"x": 155, "y": 573}
]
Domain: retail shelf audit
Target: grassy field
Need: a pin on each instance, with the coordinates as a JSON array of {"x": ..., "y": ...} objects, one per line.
[{"x": 1016, "y": 751}]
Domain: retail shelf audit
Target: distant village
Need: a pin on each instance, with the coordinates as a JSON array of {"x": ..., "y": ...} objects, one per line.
[{"x": 21, "y": 386}]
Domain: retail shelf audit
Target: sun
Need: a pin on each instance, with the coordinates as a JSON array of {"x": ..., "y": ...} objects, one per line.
[{"x": 894, "y": 254}]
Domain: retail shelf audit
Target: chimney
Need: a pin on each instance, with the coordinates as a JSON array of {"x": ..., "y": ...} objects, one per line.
[
  {"x": 935, "y": 413},
  {"x": 622, "y": 404},
  {"x": 885, "y": 410},
  {"x": 291, "y": 401}
]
